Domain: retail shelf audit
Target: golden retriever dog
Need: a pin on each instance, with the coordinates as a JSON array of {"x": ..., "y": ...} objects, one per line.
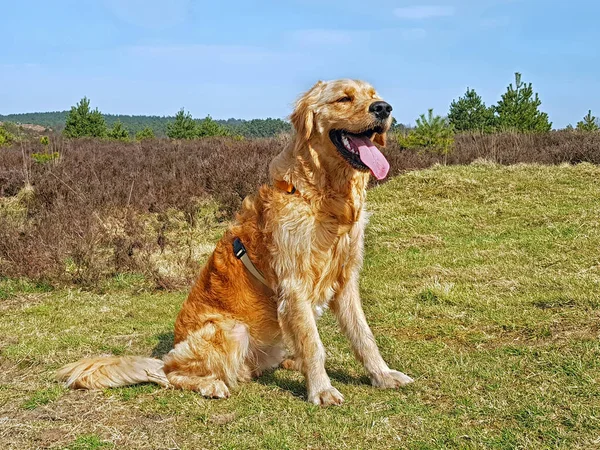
[{"x": 304, "y": 234}]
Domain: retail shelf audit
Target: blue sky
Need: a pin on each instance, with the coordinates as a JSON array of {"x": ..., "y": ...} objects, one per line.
[{"x": 251, "y": 59}]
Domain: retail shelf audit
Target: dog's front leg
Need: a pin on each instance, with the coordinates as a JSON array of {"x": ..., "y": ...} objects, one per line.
[
  {"x": 300, "y": 332},
  {"x": 347, "y": 308}
]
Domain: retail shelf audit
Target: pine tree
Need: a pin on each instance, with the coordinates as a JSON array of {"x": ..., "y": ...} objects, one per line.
[
  {"x": 183, "y": 127},
  {"x": 83, "y": 122},
  {"x": 208, "y": 127},
  {"x": 146, "y": 133},
  {"x": 589, "y": 123},
  {"x": 469, "y": 113},
  {"x": 433, "y": 133},
  {"x": 519, "y": 109},
  {"x": 118, "y": 132}
]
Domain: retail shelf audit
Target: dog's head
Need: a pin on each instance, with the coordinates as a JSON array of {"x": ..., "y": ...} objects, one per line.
[{"x": 340, "y": 120}]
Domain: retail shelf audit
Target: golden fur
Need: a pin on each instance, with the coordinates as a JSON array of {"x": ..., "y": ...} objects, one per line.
[{"x": 309, "y": 247}]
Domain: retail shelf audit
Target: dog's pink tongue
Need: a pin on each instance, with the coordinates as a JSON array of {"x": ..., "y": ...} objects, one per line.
[{"x": 371, "y": 156}]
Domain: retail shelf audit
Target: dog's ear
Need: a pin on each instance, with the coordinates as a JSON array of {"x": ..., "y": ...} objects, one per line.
[
  {"x": 303, "y": 116},
  {"x": 380, "y": 139}
]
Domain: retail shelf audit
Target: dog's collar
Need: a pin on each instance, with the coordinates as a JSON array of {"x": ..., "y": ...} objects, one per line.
[{"x": 285, "y": 186}]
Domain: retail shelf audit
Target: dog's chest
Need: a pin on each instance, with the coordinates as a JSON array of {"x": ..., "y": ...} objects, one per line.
[
  {"x": 316, "y": 251},
  {"x": 334, "y": 257}
]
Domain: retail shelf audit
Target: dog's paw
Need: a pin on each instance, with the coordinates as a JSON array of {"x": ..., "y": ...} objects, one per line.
[
  {"x": 291, "y": 364},
  {"x": 326, "y": 397},
  {"x": 391, "y": 379},
  {"x": 214, "y": 389}
]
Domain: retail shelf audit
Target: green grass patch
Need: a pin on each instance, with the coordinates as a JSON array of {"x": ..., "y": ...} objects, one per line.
[
  {"x": 12, "y": 287},
  {"x": 43, "y": 397},
  {"x": 481, "y": 282},
  {"x": 89, "y": 442}
]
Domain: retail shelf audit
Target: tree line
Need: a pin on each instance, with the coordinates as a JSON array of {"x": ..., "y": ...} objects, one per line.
[
  {"x": 157, "y": 124},
  {"x": 82, "y": 121},
  {"x": 517, "y": 110}
]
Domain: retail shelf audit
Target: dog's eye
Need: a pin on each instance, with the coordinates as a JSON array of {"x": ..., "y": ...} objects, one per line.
[{"x": 344, "y": 99}]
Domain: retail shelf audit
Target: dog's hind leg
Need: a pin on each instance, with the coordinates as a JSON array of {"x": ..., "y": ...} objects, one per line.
[
  {"x": 211, "y": 359},
  {"x": 208, "y": 386}
]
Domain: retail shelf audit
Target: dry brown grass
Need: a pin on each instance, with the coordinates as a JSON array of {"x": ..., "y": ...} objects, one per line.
[
  {"x": 105, "y": 208},
  {"x": 556, "y": 147}
]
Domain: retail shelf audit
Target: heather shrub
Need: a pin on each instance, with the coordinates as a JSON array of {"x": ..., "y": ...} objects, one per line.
[
  {"x": 107, "y": 207},
  {"x": 43, "y": 158},
  {"x": 6, "y": 137},
  {"x": 155, "y": 207},
  {"x": 555, "y": 147}
]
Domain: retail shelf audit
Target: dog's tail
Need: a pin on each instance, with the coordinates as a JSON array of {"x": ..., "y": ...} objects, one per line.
[{"x": 112, "y": 371}]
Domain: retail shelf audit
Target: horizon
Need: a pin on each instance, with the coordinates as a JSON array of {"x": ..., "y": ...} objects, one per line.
[
  {"x": 167, "y": 116},
  {"x": 138, "y": 57}
]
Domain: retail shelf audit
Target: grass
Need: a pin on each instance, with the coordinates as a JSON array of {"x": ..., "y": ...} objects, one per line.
[{"x": 482, "y": 282}]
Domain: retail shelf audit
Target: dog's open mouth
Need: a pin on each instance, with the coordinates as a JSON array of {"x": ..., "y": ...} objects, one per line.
[{"x": 360, "y": 152}]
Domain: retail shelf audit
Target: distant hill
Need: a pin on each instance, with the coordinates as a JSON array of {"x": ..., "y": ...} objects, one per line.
[
  {"x": 28, "y": 127},
  {"x": 247, "y": 128},
  {"x": 54, "y": 120}
]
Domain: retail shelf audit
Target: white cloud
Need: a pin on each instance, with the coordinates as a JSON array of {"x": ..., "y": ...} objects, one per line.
[{"x": 423, "y": 12}]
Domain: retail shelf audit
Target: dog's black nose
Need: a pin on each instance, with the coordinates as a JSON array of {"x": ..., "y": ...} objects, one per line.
[{"x": 381, "y": 109}]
